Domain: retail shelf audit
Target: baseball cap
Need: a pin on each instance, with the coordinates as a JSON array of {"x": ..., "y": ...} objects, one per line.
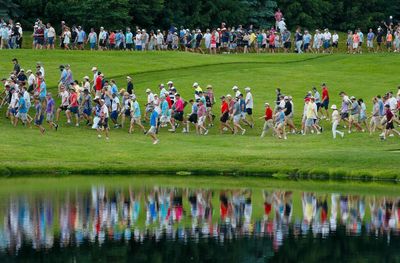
[{"x": 148, "y": 90}]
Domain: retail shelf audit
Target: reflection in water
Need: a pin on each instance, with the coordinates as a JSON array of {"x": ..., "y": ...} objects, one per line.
[{"x": 103, "y": 215}]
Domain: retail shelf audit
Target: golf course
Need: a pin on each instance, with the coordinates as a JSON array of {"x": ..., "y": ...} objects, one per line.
[{"x": 77, "y": 150}]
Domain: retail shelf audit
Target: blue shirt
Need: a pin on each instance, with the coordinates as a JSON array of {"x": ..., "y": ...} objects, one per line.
[
  {"x": 370, "y": 36},
  {"x": 281, "y": 117},
  {"x": 307, "y": 39},
  {"x": 136, "y": 107},
  {"x": 194, "y": 108},
  {"x": 114, "y": 89},
  {"x": 129, "y": 38},
  {"x": 81, "y": 36},
  {"x": 153, "y": 118},
  {"x": 22, "y": 105},
  {"x": 164, "y": 108},
  {"x": 43, "y": 90},
  {"x": 381, "y": 108}
]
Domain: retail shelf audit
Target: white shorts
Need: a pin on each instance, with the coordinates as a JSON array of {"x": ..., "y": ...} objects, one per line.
[
  {"x": 152, "y": 130},
  {"x": 135, "y": 119},
  {"x": 236, "y": 118},
  {"x": 370, "y": 44},
  {"x": 355, "y": 45},
  {"x": 201, "y": 120},
  {"x": 22, "y": 116},
  {"x": 96, "y": 121},
  {"x": 164, "y": 119}
]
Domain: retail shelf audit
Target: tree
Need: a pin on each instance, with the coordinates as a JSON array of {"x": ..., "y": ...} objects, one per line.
[
  {"x": 261, "y": 12},
  {"x": 9, "y": 9}
]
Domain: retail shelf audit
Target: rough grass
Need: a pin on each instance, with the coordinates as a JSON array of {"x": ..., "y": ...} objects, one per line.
[{"x": 77, "y": 150}]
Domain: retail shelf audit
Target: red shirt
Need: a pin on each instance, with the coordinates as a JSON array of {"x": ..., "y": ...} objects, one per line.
[
  {"x": 112, "y": 38},
  {"x": 99, "y": 83},
  {"x": 168, "y": 99},
  {"x": 73, "y": 99},
  {"x": 224, "y": 107},
  {"x": 325, "y": 94},
  {"x": 268, "y": 114},
  {"x": 389, "y": 115}
]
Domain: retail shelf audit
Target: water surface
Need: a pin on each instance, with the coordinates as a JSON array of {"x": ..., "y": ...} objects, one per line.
[{"x": 144, "y": 221}]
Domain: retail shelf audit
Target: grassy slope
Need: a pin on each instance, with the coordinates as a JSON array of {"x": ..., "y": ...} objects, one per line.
[{"x": 70, "y": 150}]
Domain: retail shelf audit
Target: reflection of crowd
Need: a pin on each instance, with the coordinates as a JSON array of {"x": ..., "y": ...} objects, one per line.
[{"x": 182, "y": 214}]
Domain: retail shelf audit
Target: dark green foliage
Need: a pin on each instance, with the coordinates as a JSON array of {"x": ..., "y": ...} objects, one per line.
[{"x": 152, "y": 14}]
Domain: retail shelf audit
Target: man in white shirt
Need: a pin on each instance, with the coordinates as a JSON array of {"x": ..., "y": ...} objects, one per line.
[
  {"x": 335, "y": 40},
  {"x": 64, "y": 94},
  {"x": 327, "y": 40},
  {"x": 51, "y": 36},
  {"x": 249, "y": 105},
  {"x": 159, "y": 40},
  {"x": 207, "y": 39},
  {"x": 150, "y": 103},
  {"x": 103, "y": 123}
]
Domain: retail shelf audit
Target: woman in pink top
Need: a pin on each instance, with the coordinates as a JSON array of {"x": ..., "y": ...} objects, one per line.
[
  {"x": 201, "y": 114},
  {"x": 213, "y": 45},
  {"x": 73, "y": 106}
]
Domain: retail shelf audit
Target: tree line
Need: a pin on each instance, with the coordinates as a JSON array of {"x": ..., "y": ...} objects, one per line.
[{"x": 152, "y": 14}]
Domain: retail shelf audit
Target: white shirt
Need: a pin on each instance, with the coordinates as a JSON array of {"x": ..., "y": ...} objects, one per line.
[
  {"x": 160, "y": 38},
  {"x": 335, "y": 116},
  {"x": 27, "y": 98},
  {"x": 104, "y": 111},
  {"x": 87, "y": 86},
  {"x": 335, "y": 38},
  {"x": 249, "y": 101},
  {"x": 138, "y": 39},
  {"x": 51, "y": 32},
  {"x": 150, "y": 98},
  {"x": 42, "y": 70},
  {"x": 31, "y": 79},
  {"x": 14, "y": 100},
  {"x": 237, "y": 93},
  {"x": 114, "y": 105},
  {"x": 393, "y": 103},
  {"x": 64, "y": 98},
  {"x": 207, "y": 37},
  {"x": 327, "y": 36}
]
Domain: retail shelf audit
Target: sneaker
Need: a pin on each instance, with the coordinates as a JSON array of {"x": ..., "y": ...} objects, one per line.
[
  {"x": 107, "y": 138},
  {"x": 144, "y": 132},
  {"x": 171, "y": 130},
  {"x": 318, "y": 132},
  {"x": 206, "y": 132},
  {"x": 285, "y": 138},
  {"x": 77, "y": 125},
  {"x": 156, "y": 141},
  {"x": 225, "y": 129},
  {"x": 184, "y": 130},
  {"x": 99, "y": 136},
  {"x": 349, "y": 131},
  {"x": 56, "y": 127},
  {"x": 382, "y": 134},
  {"x": 243, "y": 132},
  {"x": 391, "y": 135}
]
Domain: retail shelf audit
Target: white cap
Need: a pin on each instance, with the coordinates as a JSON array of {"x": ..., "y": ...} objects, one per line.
[
  {"x": 286, "y": 98},
  {"x": 228, "y": 96},
  {"x": 94, "y": 68},
  {"x": 333, "y": 107},
  {"x": 86, "y": 77},
  {"x": 247, "y": 89},
  {"x": 148, "y": 90},
  {"x": 133, "y": 96},
  {"x": 235, "y": 88},
  {"x": 169, "y": 82},
  {"x": 128, "y": 77},
  {"x": 195, "y": 84}
]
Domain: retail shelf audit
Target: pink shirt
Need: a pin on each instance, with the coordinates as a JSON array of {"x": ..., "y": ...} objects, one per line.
[
  {"x": 179, "y": 105},
  {"x": 201, "y": 111}
]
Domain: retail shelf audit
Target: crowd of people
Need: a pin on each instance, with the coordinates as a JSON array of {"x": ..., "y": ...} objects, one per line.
[
  {"x": 98, "y": 103},
  {"x": 224, "y": 39},
  {"x": 166, "y": 213}
]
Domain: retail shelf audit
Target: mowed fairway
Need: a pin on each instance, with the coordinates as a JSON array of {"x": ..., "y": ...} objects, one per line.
[{"x": 78, "y": 150}]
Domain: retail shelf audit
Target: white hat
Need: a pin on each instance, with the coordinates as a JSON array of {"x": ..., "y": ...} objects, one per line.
[
  {"x": 148, "y": 90},
  {"x": 133, "y": 96},
  {"x": 195, "y": 84},
  {"x": 169, "y": 82},
  {"x": 247, "y": 89},
  {"x": 128, "y": 77},
  {"x": 94, "y": 68},
  {"x": 286, "y": 98},
  {"x": 86, "y": 77},
  {"x": 235, "y": 88},
  {"x": 333, "y": 107},
  {"x": 266, "y": 104},
  {"x": 228, "y": 96}
]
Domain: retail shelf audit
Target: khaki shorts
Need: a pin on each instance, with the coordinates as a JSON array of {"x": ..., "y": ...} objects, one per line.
[
  {"x": 268, "y": 125},
  {"x": 376, "y": 120},
  {"x": 354, "y": 117}
]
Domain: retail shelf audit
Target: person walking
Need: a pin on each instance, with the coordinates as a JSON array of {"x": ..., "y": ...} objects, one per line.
[{"x": 335, "y": 122}]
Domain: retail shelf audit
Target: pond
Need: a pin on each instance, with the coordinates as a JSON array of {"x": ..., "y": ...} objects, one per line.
[{"x": 154, "y": 219}]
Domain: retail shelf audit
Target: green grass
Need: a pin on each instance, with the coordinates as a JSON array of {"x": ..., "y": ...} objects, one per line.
[{"x": 77, "y": 150}]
